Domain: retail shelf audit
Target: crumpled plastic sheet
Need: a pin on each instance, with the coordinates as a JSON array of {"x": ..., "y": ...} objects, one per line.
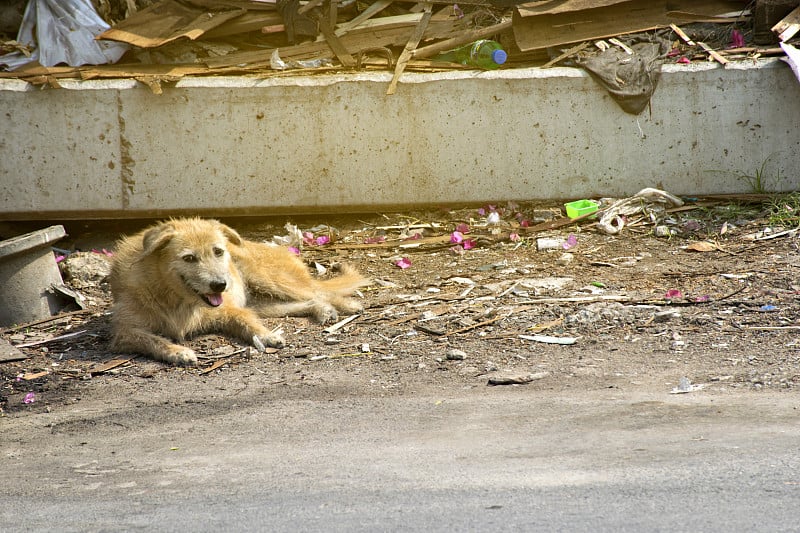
[
  {"x": 63, "y": 31},
  {"x": 649, "y": 201},
  {"x": 792, "y": 58}
]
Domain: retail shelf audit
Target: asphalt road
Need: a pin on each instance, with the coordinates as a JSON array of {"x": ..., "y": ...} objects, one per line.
[{"x": 494, "y": 459}]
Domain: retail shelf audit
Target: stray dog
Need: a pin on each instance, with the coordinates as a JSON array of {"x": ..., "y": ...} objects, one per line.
[{"x": 190, "y": 276}]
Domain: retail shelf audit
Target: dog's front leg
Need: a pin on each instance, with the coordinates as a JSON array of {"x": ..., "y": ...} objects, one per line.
[
  {"x": 142, "y": 341},
  {"x": 245, "y": 325}
]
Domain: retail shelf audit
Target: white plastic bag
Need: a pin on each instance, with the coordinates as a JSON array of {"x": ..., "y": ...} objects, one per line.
[{"x": 63, "y": 31}]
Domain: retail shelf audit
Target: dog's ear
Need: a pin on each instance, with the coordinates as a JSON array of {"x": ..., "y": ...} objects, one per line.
[
  {"x": 157, "y": 238},
  {"x": 230, "y": 234}
]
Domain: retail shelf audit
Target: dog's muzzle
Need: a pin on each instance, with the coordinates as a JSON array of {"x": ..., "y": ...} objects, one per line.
[{"x": 214, "y": 298}]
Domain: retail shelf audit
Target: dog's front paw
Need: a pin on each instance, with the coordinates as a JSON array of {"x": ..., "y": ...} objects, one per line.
[
  {"x": 272, "y": 339},
  {"x": 180, "y": 355}
]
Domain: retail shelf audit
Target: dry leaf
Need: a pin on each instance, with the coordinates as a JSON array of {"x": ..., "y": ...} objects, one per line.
[{"x": 702, "y": 246}]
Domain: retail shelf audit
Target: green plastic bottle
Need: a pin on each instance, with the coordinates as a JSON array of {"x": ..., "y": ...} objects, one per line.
[{"x": 485, "y": 54}]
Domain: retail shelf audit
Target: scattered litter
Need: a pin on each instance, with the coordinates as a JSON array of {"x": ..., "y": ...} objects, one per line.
[
  {"x": 339, "y": 325},
  {"x": 548, "y": 243},
  {"x": 570, "y": 243},
  {"x": 580, "y": 208},
  {"x": 547, "y": 339},
  {"x": 63, "y": 31},
  {"x": 650, "y": 202},
  {"x": 767, "y": 308}
]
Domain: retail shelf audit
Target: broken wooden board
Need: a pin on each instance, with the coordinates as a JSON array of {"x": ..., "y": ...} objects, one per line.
[
  {"x": 789, "y": 26},
  {"x": 250, "y": 21},
  {"x": 411, "y": 45},
  {"x": 543, "y": 24},
  {"x": 165, "y": 22},
  {"x": 385, "y": 31}
]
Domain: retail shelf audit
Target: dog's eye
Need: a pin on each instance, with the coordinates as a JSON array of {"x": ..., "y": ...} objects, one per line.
[
  {"x": 189, "y": 258},
  {"x": 219, "y": 252}
]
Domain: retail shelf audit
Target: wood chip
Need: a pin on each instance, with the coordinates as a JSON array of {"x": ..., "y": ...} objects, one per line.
[
  {"x": 339, "y": 325},
  {"x": 110, "y": 364},
  {"x": 215, "y": 366}
]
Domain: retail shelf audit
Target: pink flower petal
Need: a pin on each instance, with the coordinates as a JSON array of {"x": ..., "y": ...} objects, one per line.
[
  {"x": 403, "y": 263},
  {"x": 571, "y": 242},
  {"x": 737, "y": 39},
  {"x": 684, "y": 60},
  {"x": 673, "y": 293},
  {"x": 462, "y": 228},
  {"x": 458, "y": 249},
  {"x": 295, "y": 251},
  {"x": 29, "y": 398},
  {"x": 468, "y": 244},
  {"x": 525, "y": 223},
  {"x": 456, "y": 237},
  {"x": 514, "y": 237},
  {"x": 322, "y": 239},
  {"x": 374, "y": 240}
]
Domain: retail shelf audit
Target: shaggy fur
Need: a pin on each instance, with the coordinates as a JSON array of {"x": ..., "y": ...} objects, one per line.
[{"x": 189, "y": 276}]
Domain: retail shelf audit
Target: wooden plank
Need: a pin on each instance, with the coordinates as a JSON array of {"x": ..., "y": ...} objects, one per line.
[
  {"x": 365, "y": 15},
  {"x": 788, "y": 26},
  {"x": 569, "y": 53},
  {"x": 250, "y": 21},
  {"x": 539, "y": 28},
  {"x": 411, "y": 45},
  {"x": 165, "y": 22},
  {"x": 680, "y": 33},
  {"x": 345, "y": 58},
  {"x": 392, "y": 32},
  {"x": 713, "y": 53}
]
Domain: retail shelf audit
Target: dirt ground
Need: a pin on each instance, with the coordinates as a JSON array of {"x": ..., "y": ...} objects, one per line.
[{"x": 712, "y": 305}]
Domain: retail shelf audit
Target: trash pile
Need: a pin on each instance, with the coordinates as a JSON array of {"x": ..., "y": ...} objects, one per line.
[{"x": 163, "y": 40}]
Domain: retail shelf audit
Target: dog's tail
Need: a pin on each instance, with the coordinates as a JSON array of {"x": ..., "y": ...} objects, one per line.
[{"x": 345, "y": 283}]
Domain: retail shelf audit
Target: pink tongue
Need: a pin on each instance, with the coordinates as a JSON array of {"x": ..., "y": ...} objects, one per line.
[{"x": 214, "y": 299}]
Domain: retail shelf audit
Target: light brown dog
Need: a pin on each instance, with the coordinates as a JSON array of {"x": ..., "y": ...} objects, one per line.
[{"x": 190, "y": 276}]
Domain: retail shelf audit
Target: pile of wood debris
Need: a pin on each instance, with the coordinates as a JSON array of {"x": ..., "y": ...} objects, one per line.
[{"x": 170, "y": 39}]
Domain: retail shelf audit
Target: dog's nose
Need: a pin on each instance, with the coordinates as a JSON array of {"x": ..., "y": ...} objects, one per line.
[{"x": 218, "y": 286}]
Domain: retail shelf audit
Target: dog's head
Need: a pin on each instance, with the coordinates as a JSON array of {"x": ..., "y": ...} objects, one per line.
[{"x": 195, "y": 252}]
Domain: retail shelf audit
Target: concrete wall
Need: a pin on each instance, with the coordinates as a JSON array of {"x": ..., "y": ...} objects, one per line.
[{"x": 327, "y": 143}]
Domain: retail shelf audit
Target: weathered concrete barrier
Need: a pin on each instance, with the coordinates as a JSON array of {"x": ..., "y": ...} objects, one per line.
[{"x": 330, "y": 143}]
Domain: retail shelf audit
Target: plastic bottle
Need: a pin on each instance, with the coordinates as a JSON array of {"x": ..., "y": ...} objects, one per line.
[{"x": 485, "y": 54}]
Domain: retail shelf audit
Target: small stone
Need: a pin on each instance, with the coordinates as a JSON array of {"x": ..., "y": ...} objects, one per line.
[
  {"x": 456, "y": 355},
  {"x": 565, "y": 259},
  {"x": 663, "y": 231}
]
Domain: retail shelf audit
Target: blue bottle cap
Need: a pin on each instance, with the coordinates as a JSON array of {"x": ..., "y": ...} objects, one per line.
[{"x": 499, "y": 56}]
